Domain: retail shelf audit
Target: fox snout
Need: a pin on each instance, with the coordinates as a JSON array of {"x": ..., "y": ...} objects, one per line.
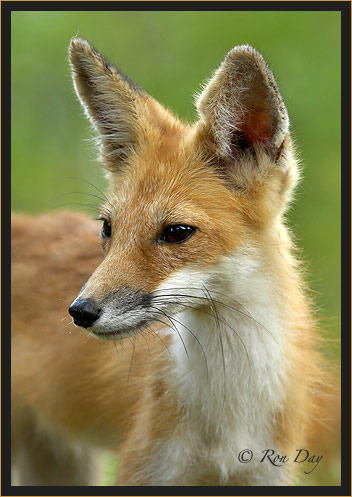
[{"x": 123, "y": 312}]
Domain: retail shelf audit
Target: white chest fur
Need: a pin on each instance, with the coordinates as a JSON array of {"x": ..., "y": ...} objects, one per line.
[{"x": 229, "y": 371}]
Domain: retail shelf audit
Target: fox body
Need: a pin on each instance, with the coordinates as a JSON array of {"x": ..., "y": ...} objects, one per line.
[{"x": 210, "y": 348}]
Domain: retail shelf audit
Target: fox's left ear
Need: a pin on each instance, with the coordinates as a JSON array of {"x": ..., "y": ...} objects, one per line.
[
  {"x": 112, "y": 102},
  {"x": 242, "y": 114}
]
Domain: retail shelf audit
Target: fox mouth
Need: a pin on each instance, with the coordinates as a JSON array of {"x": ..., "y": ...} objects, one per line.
[
  {"x": 129, "y": 311},
  {"x": 117, "y": 316},
  {"x": 120, "y": 332}
]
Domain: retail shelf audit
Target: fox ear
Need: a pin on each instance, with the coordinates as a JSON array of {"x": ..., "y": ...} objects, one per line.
[
  {"x": 241, "y": 109},
  {"x": 109, "y": 99}
]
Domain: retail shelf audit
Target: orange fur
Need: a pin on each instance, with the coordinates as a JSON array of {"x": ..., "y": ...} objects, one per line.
[{"x": 230, "y": 181}]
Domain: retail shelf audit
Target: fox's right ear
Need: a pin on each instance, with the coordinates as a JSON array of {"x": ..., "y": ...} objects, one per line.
[
  {"x": 243, "y": 119},
  {"x": 110, "y": 100}
]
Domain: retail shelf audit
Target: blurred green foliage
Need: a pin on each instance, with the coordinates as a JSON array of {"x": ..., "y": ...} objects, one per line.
[{"x": 170, "y": 54}]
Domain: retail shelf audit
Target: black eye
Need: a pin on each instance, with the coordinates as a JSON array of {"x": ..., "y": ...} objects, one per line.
[
  {"x": 177, "y": 233},
  {"x": 106, "y": 229}
]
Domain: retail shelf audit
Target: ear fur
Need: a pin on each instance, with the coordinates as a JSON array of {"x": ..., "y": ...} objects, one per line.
[
  {"x": 241, "y": 109},
  {"x": 110, "y": 100}
]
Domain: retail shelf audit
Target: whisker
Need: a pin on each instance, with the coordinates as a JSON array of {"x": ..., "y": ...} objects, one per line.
[
  {"x": 121, "y": 343},
  {"x": 172, "y": 319},
  {"x": 115, "y": 345},
  {"x": 213, "y": 306},
  {"x": 93, "y": 185},
  {"x": 146, "y": 341},
  {"x": 87, "y": 206},
  {"x": 227, "y": 306},
  {"x": 177, "y": 302},
  {"x": 159, "y": 337},
  {"x": 132, "y": 358},
  {"x": 83, "y": 193},
  {"x": 168, "y": 317}
]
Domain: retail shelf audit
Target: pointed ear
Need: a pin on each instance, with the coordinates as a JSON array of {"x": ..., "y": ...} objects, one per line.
[
  {"x": 241, "y": 109},
  {"x": 110, "y": 100}
]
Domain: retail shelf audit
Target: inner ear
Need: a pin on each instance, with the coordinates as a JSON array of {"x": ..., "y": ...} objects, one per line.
[
  {"x": 256, "y": 127},
  {"x": 256, "y": 121},
  {"x": 241, "y": 108}
]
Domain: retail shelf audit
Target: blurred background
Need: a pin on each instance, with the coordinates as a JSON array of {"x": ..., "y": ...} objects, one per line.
[{"x": 170, "y": 54}]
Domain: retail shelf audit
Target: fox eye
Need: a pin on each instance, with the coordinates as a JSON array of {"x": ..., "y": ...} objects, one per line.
[
  {"x": 106, "y": 229},
  {"x": 177, "y": 233}
]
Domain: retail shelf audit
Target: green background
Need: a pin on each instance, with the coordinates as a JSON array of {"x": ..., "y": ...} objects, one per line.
[{"x": 170, "y": 54}]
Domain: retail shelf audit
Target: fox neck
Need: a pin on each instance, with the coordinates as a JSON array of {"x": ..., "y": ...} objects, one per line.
[{"x": 228, "y": 364}]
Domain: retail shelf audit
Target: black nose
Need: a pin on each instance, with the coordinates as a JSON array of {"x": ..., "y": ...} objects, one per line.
[{"x": 84, "y": 312}]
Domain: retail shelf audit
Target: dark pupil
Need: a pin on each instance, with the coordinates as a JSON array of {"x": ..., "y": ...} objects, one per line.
[
  {"x": 176, "y": 233},
  {"x": 106, "y": 229}
]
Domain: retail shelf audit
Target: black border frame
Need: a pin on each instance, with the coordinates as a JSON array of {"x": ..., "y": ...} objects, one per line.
[{"x": 342, "y": 6}]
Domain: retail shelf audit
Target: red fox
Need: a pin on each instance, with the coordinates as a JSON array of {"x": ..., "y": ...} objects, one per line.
[{"x": 208, "y": 371}]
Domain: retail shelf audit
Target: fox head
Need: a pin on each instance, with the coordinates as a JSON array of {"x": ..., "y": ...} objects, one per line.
[{"x": 183, "y": 199}]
